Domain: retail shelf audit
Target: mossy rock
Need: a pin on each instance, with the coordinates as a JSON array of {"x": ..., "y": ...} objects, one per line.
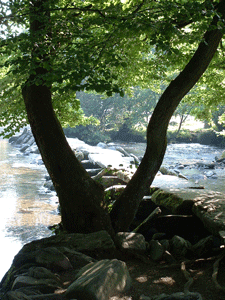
[{"x": 167, "y": 200}]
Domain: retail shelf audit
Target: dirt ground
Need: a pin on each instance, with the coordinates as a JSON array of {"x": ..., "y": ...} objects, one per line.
[{"x": 151, "y": 279}]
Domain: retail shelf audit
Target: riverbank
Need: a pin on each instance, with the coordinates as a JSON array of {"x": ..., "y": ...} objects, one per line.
[{"x": 165, "y": 244}]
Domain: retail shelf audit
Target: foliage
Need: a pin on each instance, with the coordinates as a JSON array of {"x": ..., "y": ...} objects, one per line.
[
  {"x": 89, "y": 134},
  {"x": 134, "y": 108},
  {"x": 185, "y": 136},
  {"x": 106, "y": 46}
]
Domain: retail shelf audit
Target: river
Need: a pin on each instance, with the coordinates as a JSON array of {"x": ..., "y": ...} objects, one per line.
[{"x": 26, "y": 210}]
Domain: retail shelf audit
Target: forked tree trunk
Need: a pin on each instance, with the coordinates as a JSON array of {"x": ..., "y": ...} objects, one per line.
[
  {"x": 125, "y": 208},
  {"x": 81, "y": 198}
]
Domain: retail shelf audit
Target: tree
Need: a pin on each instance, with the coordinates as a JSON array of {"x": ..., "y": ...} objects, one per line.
[
  {"x": 135, "y": 106},
  {"x": 76, "y": 46}
]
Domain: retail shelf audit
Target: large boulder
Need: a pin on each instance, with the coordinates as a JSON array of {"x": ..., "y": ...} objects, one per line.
[
  {"x": 100, "y": 280},
  {"x": 39, "y": 267},
  {"x": 209, "y": 208},
  {"x": 96, "y": 243}
]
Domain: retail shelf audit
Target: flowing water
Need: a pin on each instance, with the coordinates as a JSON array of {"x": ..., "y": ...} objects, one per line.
[
  {"x": 26, "y": 210},
  {"x": 189, "y": 154}
]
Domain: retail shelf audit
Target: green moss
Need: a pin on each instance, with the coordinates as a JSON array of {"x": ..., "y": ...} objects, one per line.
[{"x": 167, "y": 200}]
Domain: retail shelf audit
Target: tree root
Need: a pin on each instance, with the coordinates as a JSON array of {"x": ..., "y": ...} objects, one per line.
[
  {"x": 188, "y": 278},
  {"x": 216, "y": 270},
  {"x": 214, "y": 274}
]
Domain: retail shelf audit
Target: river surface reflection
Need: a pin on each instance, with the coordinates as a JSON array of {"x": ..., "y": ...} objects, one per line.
[{"x": 25, "y": 210}]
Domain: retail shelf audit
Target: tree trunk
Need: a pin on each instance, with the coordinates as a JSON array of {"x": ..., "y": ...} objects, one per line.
[
  {"x": 125, "y": 208},
  {"x": 80, "y": 197}
]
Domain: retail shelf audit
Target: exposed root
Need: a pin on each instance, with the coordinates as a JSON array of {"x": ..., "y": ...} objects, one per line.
[
  {"x": 216, "y": 270},
  {"x": 188, "y": 278}
]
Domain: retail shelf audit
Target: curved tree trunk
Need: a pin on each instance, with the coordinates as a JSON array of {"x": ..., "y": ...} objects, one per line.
[
  {"x": 125, "y": 208},
  {"x": 80, "y": 197}
]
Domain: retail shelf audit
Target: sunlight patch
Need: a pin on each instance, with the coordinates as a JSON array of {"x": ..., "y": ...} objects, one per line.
[
  {"x": 142, "y": 278},
  {"x": 165, "y": 280}
]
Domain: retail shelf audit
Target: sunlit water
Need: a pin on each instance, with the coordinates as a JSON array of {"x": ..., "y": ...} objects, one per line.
[
  {"x": 26, "y": 210},
  {"x": 189, "y": 154}
]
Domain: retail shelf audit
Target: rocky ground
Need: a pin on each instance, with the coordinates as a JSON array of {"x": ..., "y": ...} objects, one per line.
[{"x": 152, "y": 279}]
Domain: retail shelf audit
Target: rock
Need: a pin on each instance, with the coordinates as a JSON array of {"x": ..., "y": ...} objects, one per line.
[
  {"x": 24, "y": 147},
  {"x": 167, "y": 200},
  {"x": 49, "y": 185},
  {"x": 125, "y": 175},
  {"x": 18, "y": 139},
  {"x": 78, "y": 260},
  {"x": 180, "y": 247},
  {"x": 31, "y": 270},
  {"x": 124, "y": 152},
  {"x": 42, "y": 273},
  {"x": 100, "y": 280},
  {"x": 166, "y": 244},
  {"x": 108, "y": 181},
  {"x": 203, "y": 247},
  {"x": 221, "y": 158},
  {"x": 136, "y": 159},
  {"x": 211, "y": 174},
  {"x": 15, "y": 295},
  {"x": 52, "y": 258},
  {"x": 185, "y": 208},
  {"x": 88, "y": 165},
  {"x": 206, "y": 165},
  {"x": 130, "y": 241},
  {"x": 102, "y": 145},
  {"x": 111, "y": 158},
  {"x": 208, "y": 208},
  {"x": 180, "y": 166},
  {"x": 158, "y": 236},
  {"x": 155, "y": 250},
  {"x": 40, "y": 162},
  {"x": 44, "y": 285},
  {"x": 166, "y": 171},
  {"x": 79, "y": 155},
  {"x": 92, "y": 243}
]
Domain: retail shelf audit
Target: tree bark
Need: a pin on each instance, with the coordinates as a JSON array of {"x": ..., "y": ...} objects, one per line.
[
  {"x": 125, "y": 208},
  {"x": 81, "y": 198}
]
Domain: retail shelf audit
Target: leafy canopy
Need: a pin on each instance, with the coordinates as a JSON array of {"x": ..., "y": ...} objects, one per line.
[{"x": 102, "y": 46}]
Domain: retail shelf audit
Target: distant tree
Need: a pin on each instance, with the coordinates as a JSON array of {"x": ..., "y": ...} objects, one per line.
[{"x": 113, "y": 112}]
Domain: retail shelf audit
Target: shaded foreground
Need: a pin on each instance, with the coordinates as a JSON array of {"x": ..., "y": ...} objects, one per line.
[{"x": 91, "y": 266}]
